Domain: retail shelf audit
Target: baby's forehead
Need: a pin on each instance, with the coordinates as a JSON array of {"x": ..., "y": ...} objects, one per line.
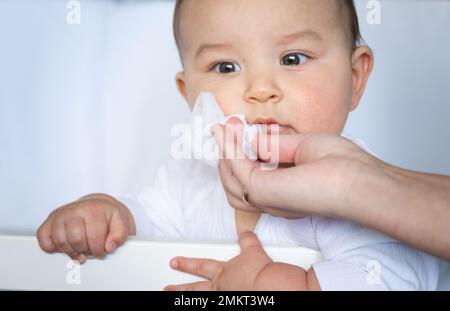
[{"x": 233, "y": 19}]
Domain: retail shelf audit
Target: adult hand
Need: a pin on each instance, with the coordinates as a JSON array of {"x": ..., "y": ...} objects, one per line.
[
  {"x": 320, "y": 173},
  {"x": 331, "y": 176}
]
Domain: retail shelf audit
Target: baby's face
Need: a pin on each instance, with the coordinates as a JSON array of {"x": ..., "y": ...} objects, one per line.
[{"x": 287, "y": 62}]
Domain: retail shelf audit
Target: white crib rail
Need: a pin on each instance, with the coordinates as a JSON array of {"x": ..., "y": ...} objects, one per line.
[{"x": 137, "y": 265}]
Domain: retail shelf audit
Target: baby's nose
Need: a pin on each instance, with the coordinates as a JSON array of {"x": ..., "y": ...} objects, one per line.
[{"x": 263, "y": 94}]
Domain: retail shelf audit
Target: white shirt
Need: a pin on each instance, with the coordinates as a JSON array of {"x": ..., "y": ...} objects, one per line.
[{"x": 187, "y": 201}]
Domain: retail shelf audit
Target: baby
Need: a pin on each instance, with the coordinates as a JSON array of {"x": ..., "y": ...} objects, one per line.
[{"x": 295, "y": 63}]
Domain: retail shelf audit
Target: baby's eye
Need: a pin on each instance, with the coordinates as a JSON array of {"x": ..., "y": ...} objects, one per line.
[
  {"x": 294, "y": 59},
  {"x": 226, "y": 67}
]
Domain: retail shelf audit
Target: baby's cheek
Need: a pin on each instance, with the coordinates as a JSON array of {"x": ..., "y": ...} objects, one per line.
[
  {"x": 328, "y": 95},
  {"x": 320, "y": 110},
  {"x": 226, "y": 93},
  {"x": 331, "y": 118},
  {"x": 229, "y": 103}
]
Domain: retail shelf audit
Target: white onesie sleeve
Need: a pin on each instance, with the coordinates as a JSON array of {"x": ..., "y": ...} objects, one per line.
[
  {"x": 358, "y": 258},
  {"x": 156, "y": 209}
]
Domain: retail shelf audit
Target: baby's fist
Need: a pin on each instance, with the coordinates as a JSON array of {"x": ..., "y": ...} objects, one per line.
[{"x": 93, "y": 225}]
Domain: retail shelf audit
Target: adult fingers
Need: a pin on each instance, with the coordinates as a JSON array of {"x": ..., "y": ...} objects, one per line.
[
  {"x": 231, "y": 184},
  {"x": 231, "y": 150},
  {"x": 279, "y": 148},
  {"x": 239, "y": 204},
  {"x": 300, "y": 148},
  {"x": 233, "y": 188}
]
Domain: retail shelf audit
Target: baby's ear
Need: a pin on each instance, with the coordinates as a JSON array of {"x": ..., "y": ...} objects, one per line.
[
  {"x": 181, "y": 85},
  {"x": 362, "y": 64}
]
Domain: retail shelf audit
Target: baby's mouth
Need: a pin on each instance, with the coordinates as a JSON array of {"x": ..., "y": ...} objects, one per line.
[{"x": 272, "y": 126}]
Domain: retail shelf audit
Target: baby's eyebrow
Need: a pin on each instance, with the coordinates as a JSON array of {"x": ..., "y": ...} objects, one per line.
[
  {"x": 214, "y": 46},
  {"x": 299, "y": 35},
  {"x": 310, "y": 35}
]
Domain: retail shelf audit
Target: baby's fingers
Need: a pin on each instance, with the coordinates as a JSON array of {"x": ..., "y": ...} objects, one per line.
[
  {"x": 96, "y": 230},
  {"x": 76, "y": 235},
  {"x": 117, "y": 233},
  {"x": 203, "y": 267},
  {"x": 44, "y": 236},
  {"x": 60, "y": 240}
]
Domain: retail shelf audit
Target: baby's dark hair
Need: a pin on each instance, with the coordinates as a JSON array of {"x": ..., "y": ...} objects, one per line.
[{"x": 347, "y": 10}]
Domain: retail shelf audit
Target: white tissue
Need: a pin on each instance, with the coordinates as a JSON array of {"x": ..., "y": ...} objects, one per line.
[{"x": 205, "y": 115}]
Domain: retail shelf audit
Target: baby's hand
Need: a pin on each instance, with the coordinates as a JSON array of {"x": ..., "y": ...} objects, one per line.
[
  {"x": 251, "y": 270},
  {"x": 93, "y": 225}
]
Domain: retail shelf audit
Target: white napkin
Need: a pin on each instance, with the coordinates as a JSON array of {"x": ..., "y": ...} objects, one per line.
[{"x": 205, "y": 115}]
